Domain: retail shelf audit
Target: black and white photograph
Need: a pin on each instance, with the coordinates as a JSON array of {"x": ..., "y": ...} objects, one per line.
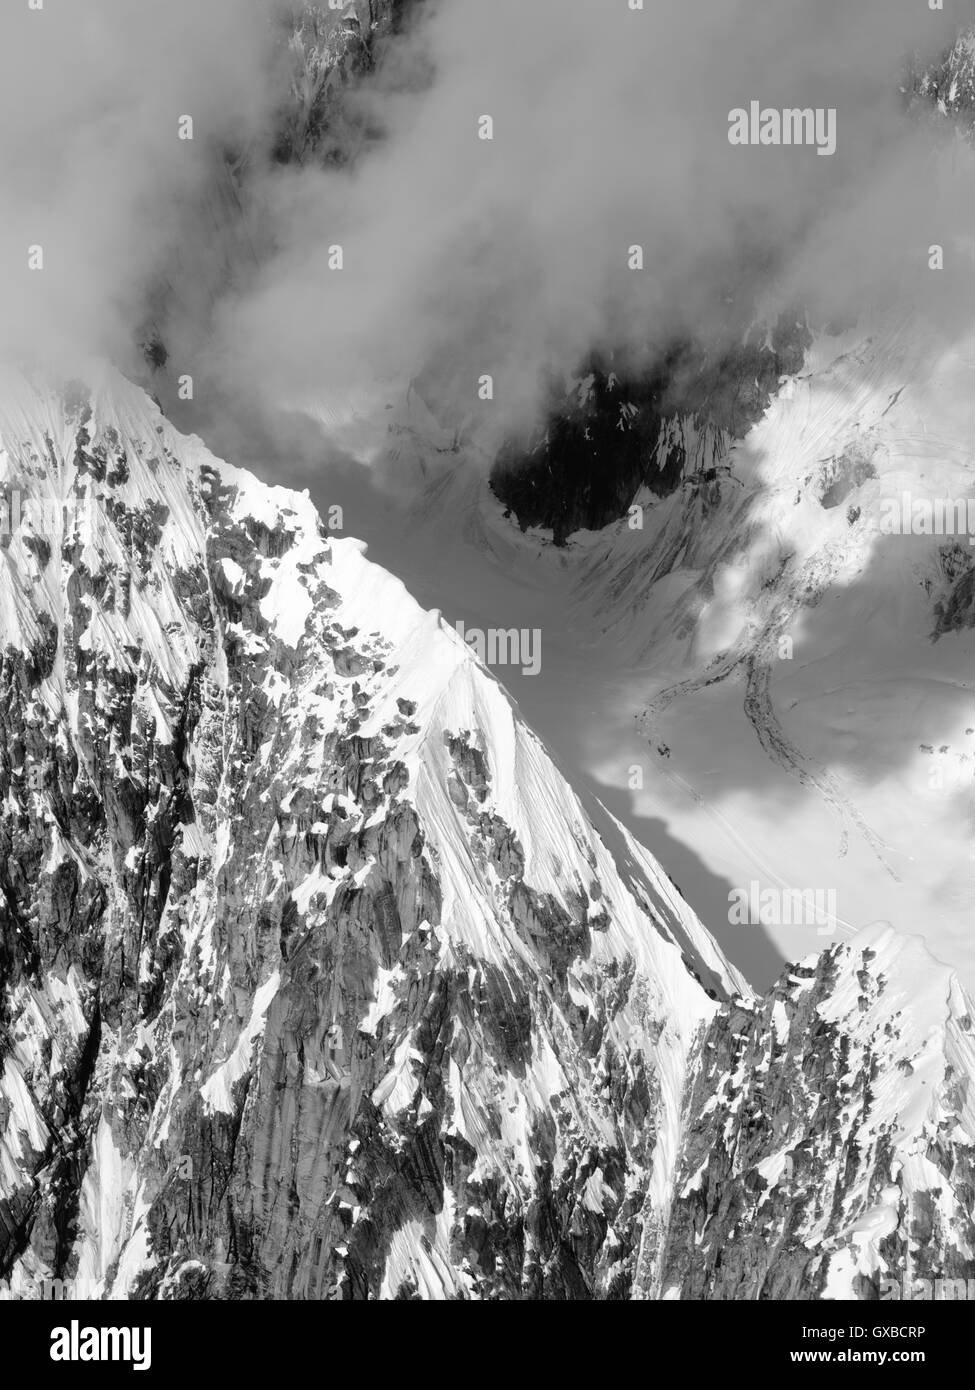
[{"x": 487, "y": 670}]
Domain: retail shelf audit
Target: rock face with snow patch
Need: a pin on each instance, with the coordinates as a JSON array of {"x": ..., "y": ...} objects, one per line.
[
  {"x": 317, "y": 982},
  {"x": 329, "y": 50},
  {"x": 831, "y": 1148},
  {"x": 612, "y": 433}
]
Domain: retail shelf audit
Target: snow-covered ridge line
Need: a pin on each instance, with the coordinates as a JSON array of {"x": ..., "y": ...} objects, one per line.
[
  {"x": 316, "y": 842},
  {"x": 834, "y": 1133},
  {"x": 323, "y": 977}
]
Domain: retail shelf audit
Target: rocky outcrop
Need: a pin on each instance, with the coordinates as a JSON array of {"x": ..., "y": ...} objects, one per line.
[
  {"x": 615, "y": 432},
  {"x": 317, "y": 982},
  {"x": 328, "y": 51},
  {"x": 945, "y": 88},
  {"x": 830, "y": 1144}
]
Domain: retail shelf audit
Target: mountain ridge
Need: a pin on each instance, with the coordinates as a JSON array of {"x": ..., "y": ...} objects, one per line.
[{"x": 318, "y": 982}]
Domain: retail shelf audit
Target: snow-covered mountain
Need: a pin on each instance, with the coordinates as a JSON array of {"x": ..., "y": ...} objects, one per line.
[
  {"x": 829, "y": 1151},
  {"x": 809, "y": 707},
  {"x": 316, "y": 977},
  {"x": 319, "y": 981},
  {"x": 771, "y": 670}
]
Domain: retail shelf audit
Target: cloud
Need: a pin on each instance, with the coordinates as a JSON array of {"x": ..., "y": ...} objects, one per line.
[
  {"x": 460, "y": 256},
  {"x": 509, "y": 256},
  {"x": 92, "y": 169}
]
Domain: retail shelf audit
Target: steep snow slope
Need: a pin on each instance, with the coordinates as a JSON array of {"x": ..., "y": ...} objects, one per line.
[
  {"x": 803, "y": 680},
  {"x": 317, "y": 980},
  {"x": 833, "y": 1132}
]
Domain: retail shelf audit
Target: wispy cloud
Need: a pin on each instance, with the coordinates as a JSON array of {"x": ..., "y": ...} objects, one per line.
[{"x": 460, "y": 256}]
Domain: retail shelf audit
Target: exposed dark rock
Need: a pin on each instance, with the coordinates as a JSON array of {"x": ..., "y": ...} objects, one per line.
[{"x": 616, "y": 431}]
